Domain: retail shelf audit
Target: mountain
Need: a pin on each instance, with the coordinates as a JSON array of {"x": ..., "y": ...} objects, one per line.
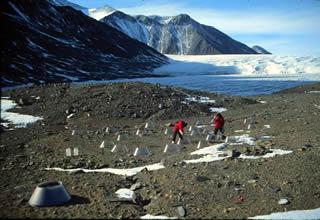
[
  {"x": 176, "y": 34},
  {"x": 67, "y": 3},
  {"x": 47, "y": 43},
  {"x": 260, "y": 50}
]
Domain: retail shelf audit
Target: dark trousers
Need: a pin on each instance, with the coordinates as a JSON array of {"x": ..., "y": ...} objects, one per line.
[
  {"x": 175, "y": 135},
  {"x": 218, "y": 129}
]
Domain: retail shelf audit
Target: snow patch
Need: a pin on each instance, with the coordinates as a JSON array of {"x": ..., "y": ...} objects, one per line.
[
  {"x": 296, "y": 214},
  {"x": 200, "y": 99},
  {"x": 213, "y": 109},
  {"x": 18, "y": 11},
  {"x": 147, "y": 216},
  {"x": 19, "y": 120},
  {"x": 267, "y": 155},
  {"x": 126, "y": 194},
  {"x": 124, "y": 172}
]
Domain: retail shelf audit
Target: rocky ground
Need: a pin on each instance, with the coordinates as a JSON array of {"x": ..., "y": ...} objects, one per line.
[{"x": 230, "y": 188}]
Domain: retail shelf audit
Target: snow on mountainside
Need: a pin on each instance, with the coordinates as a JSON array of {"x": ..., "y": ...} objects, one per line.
[
  {"x": 260, "y": 50},
  {"x": 98, "y": 13},
  {"x": 47, "y": 43},
  {"x": 176, "y": 34}
]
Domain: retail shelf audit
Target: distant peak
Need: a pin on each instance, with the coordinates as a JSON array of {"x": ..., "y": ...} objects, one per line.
[
  {"x": 182, "y": 18},
  {"x": 99, "y": 13}
]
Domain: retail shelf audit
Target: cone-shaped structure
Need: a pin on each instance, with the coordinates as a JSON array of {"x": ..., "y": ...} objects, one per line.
[
  {"x": 185, "y": 140},
  {"x": 171, "y": 148},
  {"x": 195, "y": 132},
  {"x": 117, "y": 148},
  {"x": 141, "y": 151},
  {"x": 210, "y": 137},
  {"x": 202, "y": 144},
  {"x": 150, "y": 125},
  {"x": 168, "y": 131},
  {"x": 49, "y": 194}
]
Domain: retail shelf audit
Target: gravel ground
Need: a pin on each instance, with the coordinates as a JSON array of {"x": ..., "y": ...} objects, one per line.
[{"x": 229, "y": 188}]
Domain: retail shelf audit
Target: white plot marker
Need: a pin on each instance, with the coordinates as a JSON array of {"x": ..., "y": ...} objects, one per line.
[
  {"x": 75, "y": 151},
  {"x": 68, "y": 152},
  {"x": 102, "y": 144}
]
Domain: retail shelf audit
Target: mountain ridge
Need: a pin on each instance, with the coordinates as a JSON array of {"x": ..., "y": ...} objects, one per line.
[{"x": 61, "y": 44}]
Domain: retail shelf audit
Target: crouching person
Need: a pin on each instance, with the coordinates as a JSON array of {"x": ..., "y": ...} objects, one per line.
[{"x": 178, "y": 130}]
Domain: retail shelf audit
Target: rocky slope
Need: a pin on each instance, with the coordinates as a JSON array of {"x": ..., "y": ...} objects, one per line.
[
  {"x": 260, "y": 50},
  {"x": 47, "y": 43},
  {"x": 230, "y": 188},
  {"x": 176, "y": 35}
]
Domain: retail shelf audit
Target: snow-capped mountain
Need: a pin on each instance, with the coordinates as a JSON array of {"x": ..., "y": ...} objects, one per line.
[
  {"x": 43, "y": 43},
  {"x": 260, "y": 50},
  {"x": 176, "y": 34},
  {"x": 98, "y": 13}
]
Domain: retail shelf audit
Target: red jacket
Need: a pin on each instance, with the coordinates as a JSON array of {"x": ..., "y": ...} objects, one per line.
[
  {"x": 218, "y": 121},
  {"x": 178, "y": 126}
]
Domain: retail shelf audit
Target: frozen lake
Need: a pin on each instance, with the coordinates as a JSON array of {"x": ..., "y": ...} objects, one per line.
[{"x": 240, "y": 75}]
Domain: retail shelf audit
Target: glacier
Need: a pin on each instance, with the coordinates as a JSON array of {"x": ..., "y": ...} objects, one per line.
[{"x": 245, "y": 65}]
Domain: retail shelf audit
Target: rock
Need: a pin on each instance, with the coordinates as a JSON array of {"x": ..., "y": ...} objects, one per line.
[
  {"x": 307, "y": 146},
  {"x": 136, "y": 186},
  {"x": 23, "y": 101},
  {"x": 233, "y": 153},
  {"x": 276, "y": 189},
  {"x": 181, "y": 211},
  {"x": 252, "y": 181},
  {"x": 202, "y": 178},
  {"x": 283, "y": 201}
]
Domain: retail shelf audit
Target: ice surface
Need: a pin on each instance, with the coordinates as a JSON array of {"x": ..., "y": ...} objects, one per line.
[
  {"x": 241, "y": 64},
  {"x": 296, "y": 214},
  {"x": 19, "y": 120}
]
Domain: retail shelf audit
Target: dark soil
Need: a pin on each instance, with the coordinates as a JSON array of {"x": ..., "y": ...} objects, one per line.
[{"x": 231, "y": 188}]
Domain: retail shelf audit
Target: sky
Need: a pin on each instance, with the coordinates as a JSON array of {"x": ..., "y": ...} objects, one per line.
[{"x": 283, "y": 27}]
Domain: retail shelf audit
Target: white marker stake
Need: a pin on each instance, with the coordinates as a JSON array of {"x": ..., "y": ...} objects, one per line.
[
  {"x": 75, "y": 151},
  {"x": 68, "y": 152},
  {"x": 199, "y": 145},
  {"x": 73, "y": 132},
  {"x": 107, "y": 130},
  {"x": 244, "y": 121},
  {"x": 118, "y": 139},
  {"x": 102, "y": 144},
  {"x": 138, "y": 132},
  {"x": 147, "y": 125},
  {"x": 166, "y": 131}
]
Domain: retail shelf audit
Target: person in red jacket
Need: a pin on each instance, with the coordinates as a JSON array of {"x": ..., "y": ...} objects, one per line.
[
  {"x": 178, "y": 129},
  {"x": 218, "y": 121}
]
